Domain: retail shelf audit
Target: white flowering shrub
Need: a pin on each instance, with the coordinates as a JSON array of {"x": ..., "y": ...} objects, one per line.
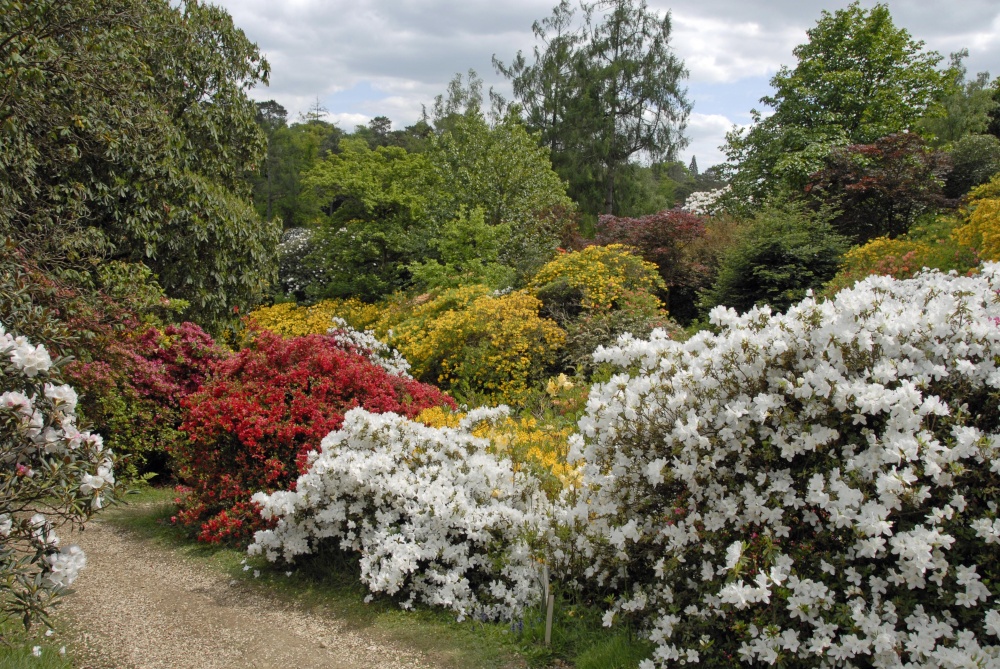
[
  {"x": 707, "y": 202},
  {"x": 812, "y": 489},
  {"x": 368, "y": 345},
  {"x": 50, "y": 473},
  {"x": 295, "y": 270},
  {"x": 432, "y": 515}
]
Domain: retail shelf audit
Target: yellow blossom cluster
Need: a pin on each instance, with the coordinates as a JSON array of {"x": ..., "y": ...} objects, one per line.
[
  {"x": 480, "y": 346},
  {"x": 527, "y": 442},
  {"x": 982, "y": 230},
  {"x": 602, "y": 274},
  {"x": 289, "y": 320},
  {"x": 476, "y": 344}
]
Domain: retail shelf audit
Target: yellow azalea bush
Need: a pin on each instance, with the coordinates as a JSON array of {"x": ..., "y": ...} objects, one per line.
[
  {"x": 598, "y": 294},
  {"x": 934, "y": 245},
  {"x": 526, "y": 441},
  {"x": 477, "y": 345},
  {"x": 469, "y": 341},
  {"x": 289, "y": 320},
  {"x": 982, "y": 229},
  {"x": 602, "y": 275}
]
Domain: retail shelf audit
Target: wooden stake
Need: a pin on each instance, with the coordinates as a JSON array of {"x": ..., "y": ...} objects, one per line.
[{"x": 548, "y": 619}]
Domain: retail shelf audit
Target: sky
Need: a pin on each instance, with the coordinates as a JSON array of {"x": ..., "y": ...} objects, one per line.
[{"x": 367, "y": 58}]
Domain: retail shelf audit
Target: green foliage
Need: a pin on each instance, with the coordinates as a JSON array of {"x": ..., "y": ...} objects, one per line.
[
  {"x": 965, "y": 107},
  {"x": 601, "y": 93},
  {"x": 858, "y": 78},
  {"x": 377, "y": 208},
  {"x": 777, "y": 257},
  {"x": 467, "y": 252},
  {"x": 384, "y": 213},
  {"x": 131, "y": 119},
  {"x": 502, "y": 170},
  {"x": 930, "y": 243}
]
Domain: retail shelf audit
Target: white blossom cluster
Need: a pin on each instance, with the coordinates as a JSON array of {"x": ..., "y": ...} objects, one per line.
[
  {"x": 294, "y": 273},
  {"x": 432, "y": 515},
  {"x": 815, "y": 489},
  {"x": 48, "y": 468},
  {"x": 706, "y": 202},
  {"x": 368, "y": 345}
]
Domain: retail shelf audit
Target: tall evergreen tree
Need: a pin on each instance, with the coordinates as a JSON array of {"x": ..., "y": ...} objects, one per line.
[{"x": 602, "y": 93}]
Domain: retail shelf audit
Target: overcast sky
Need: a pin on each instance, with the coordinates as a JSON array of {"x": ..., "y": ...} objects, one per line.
[{"x": 367, "y": 58}]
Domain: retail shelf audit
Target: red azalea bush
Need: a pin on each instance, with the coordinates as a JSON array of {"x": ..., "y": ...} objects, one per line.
[{"x": 252, "y": 424}]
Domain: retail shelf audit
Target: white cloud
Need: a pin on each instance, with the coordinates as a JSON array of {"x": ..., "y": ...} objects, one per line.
[{"x": 707, "y": 132}]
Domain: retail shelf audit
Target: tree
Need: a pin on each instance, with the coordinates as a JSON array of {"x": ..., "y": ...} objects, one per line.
[
  {"x": 880, "y": 188},
  {"x": 459, "y": 100},
  {"x": 129, "y": 122},
  {"x": 783, "y": 252},
  {"x": 966, "y": 106},
  {"x": 502, "y": 170},
  {"x": 271, "y": 117},
  {"x": 858, "y": 78},
  {"x": 377, "y": 210},
  {"x": 663, "y": 239},
  {"x": 602, "y": 93},
  {"x": 974, "y": 159}
]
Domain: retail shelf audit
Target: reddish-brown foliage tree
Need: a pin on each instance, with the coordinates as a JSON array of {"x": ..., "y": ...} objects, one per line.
[{"x": 879, "y": 189}]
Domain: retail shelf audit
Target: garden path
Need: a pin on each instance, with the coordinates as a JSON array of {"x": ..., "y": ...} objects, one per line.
[{"x": 139, "y": 605}]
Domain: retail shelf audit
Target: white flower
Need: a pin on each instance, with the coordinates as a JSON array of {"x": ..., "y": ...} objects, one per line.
[
  {"x": 733, "y": 554},
  {"x": 30, "y": 359},
  {"x": 65, "y": 565}
]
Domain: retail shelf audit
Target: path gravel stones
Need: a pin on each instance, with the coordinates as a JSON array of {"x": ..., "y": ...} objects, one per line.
[{"x": 139, "y": 605}]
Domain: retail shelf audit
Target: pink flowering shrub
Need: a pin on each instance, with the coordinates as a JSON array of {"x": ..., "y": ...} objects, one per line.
[
  {"x": 134, "y": 393},
  {"x": 809, "y": 489}
]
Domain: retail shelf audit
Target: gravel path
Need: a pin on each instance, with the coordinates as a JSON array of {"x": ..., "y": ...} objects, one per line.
[{"x": 138, "y": 605}]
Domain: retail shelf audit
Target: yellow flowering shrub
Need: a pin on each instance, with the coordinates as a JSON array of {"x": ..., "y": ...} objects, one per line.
[
  {"x": 289, "y": 320},
  {"x": 603, "y": 275},
  {"x": 933, "y": 245},
  {"x": 527, "y": 442},
  {"x": 467, "y": 340},
  {"x": 982, "y": 229},
  {"x": 598, "y": 294},
  {"x": 479, "y": 346}
]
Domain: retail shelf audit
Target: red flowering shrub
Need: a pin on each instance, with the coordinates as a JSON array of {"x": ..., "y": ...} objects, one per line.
[
  {"x": 134, "y": 400},
  {"x": 251, "y": 425}
]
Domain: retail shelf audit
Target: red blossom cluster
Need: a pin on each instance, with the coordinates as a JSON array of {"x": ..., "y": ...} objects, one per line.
[{"x": 253, "y": 423}]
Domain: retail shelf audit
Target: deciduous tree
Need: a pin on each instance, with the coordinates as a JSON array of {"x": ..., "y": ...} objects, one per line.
[{"x": 857, "y": 79}]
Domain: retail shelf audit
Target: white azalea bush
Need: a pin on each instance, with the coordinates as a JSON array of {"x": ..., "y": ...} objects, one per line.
[
  {"x": 50, "y": 473},
  {"x": 813, "y": 489},
  {"x": 367, "y": 344},
  {"x": 433, "y": 516}
]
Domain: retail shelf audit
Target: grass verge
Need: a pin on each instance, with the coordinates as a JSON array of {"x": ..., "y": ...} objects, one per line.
[{"x": 20, "y": 647}]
